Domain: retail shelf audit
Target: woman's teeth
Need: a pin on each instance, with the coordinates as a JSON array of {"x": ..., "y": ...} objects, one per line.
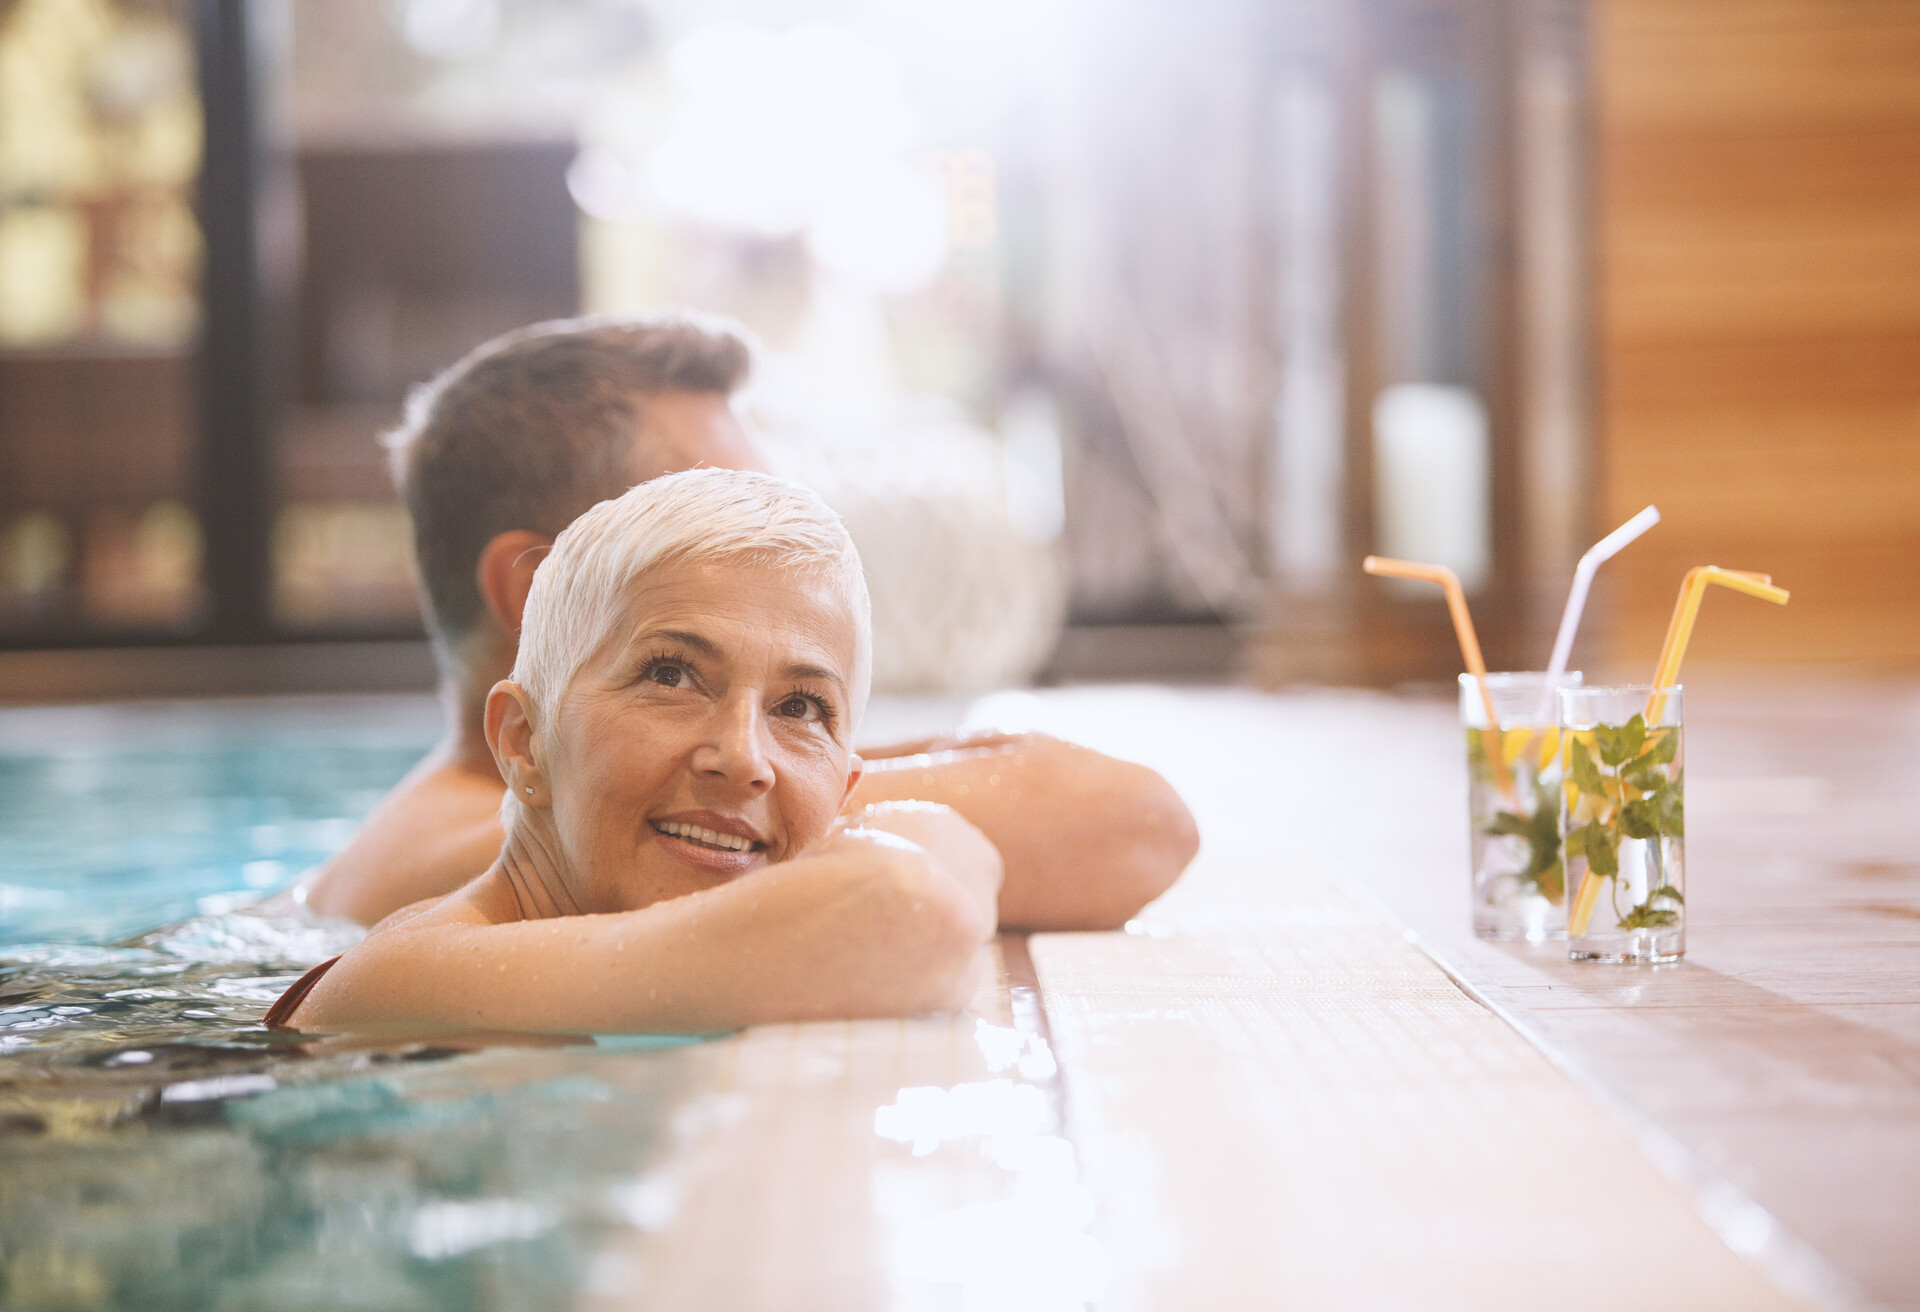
[{"x": 705, "y": 837}]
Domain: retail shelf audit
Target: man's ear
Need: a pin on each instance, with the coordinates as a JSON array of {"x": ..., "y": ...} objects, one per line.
[
  {"x": 856, "y": 770},
  {"x": 505, "y": 572},
  {"x": 509, "y": 722}
]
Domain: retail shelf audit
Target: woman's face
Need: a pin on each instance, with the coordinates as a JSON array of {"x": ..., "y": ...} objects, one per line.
[{"x": 708, "y": 740}]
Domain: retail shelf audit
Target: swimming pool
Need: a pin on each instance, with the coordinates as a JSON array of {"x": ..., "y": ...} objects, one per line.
[{"x": 158, "y": 1148}]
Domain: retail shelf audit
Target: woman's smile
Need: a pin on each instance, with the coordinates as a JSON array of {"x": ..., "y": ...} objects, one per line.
[{"x": 714, "y": 842}]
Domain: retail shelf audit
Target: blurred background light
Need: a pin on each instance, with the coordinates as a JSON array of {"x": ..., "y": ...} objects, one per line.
[
  {"x": 804, "y": 130},
  {"x": 448, "y": 29},
  {"x": 1430, "y": 478}
]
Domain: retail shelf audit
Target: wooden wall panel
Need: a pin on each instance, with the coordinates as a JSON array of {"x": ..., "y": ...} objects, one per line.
[{"x": 1759, "y": 284}]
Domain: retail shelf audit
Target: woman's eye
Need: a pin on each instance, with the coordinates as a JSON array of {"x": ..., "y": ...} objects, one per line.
[
  {"x": 800, "y": 708},
  {"x": 667, "y": 674}
]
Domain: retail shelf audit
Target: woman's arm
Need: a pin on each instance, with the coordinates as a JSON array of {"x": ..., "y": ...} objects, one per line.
[
  {"x": 888, "y": 917},
  {"x": 1087, "y": 840}
]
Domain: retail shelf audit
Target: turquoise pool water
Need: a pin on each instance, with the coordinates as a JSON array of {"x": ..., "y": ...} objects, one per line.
[
  {"x": 160, "y": 1150},
  {"x": 101, "y": 844}
]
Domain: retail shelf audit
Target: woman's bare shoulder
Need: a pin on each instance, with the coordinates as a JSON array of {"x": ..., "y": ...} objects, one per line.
[{"x": 484, "y": 900}]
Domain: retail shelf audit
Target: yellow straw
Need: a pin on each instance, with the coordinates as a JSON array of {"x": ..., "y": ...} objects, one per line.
[
  {"x": 1469, "y": 644},
  {"x": 1672, "y": 651},
  {"x": 1583, "y": 902},
  {"x": 1687, "y": 609}
]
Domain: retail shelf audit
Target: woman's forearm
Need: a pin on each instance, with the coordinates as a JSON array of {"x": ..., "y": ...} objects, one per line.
[{"x": 859, "y": 929}]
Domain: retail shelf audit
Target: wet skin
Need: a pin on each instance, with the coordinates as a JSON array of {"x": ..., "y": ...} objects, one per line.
[{"x": 677, "y": 861}]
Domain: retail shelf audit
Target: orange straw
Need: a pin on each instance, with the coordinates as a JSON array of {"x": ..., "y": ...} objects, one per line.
[
  {"x": 1469, "y": 644},
  {"x": 1679, "y": 631}
]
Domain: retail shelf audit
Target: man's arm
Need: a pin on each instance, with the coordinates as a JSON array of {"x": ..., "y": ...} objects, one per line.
[
  {"x": 888, "y": 917},
  {"x": 1087, "y": 840}
]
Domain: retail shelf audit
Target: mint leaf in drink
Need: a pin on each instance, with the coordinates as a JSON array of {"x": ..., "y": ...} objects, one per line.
[
  {"x": 1669, "y": 892},
  {"x": 1640, "y": 820},
  {"x": 1576, "y": 844},
  {"x": 1603, "y": 852},
  {"x": 1586, "y": 776},
  {"x": 1506, "y": 822},
  {"x": 1606, "y": 738},
  {"x": 1645, "y": 917},
  {"x": 1634, "y": 735},
  {"x": 1647, "y": 779},
  {"x": 1543, "y": 839},
  {"x": 1618, "y": 746},
  {"x": 1666, "y": 743},
  {"x": 1552, "y": 882},
  {"x": 1672, "y": 814}
]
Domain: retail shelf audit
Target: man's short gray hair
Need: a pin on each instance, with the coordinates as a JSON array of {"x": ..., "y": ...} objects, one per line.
[
  {"x": 533, "y": 427},
  {"x": 582, "y": 591}
]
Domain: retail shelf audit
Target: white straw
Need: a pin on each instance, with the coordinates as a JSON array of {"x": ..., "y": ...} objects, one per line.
[{"x": 1597, "y": 555}]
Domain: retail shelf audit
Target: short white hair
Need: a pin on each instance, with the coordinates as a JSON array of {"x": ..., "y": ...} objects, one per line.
[{"x": 582, "y": 590}]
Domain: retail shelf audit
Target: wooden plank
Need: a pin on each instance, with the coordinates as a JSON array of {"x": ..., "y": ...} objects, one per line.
[{"x": 1316, "y": 1117}]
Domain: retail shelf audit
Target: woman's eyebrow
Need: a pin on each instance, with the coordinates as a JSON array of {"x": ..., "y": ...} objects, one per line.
[
  {"x": 683, "y": 638},
  {"x": 814, "y": 672}
]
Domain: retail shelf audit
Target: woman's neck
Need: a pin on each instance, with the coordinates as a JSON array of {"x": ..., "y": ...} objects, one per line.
[{"x": 531, "y": 862}]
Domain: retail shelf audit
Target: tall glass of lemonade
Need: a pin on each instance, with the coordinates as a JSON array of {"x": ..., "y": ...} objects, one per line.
[
  {"x": 1513, "y": 806},
  {"x": 1623, "y": 822}
]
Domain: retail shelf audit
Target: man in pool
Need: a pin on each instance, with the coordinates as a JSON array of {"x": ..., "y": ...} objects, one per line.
[
  {"x": 501, "y": 452},
  {"x": 676, "y": 742}
]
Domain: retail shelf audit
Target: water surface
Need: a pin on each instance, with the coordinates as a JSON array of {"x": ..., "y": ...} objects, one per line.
[{"x": 159, "y": 1149}]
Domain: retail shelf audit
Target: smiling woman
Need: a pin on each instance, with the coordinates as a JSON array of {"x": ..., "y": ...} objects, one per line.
[{"x": 677, "y": 745}]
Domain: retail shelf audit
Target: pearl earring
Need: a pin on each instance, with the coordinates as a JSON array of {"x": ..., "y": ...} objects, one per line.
[{"x": 529, "y": 790}]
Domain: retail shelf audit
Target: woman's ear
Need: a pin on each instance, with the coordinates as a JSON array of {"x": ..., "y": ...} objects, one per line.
[
  {"x": 504, "y": 572},
  {"x": 856, "y": 769},
  {"x": 510, "y": 723}
]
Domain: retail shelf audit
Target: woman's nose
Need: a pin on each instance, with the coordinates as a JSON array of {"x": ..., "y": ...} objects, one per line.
[{"x": 738, "y": 748}]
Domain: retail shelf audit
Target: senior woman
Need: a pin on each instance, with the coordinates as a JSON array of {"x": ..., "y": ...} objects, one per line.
[{"x": 677, "y": 744}]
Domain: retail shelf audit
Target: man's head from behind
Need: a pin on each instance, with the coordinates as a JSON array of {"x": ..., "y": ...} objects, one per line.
[{"x": 510, "y": 445}]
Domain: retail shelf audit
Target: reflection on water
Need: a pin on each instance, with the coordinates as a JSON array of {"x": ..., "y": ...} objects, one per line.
[{"x": 158, "y": 1149}]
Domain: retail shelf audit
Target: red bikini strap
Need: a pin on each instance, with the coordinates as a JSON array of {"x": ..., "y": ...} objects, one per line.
[{"x": 282, "y": 1011}]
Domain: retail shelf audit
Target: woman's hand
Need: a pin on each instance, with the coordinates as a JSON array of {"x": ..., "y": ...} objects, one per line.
[
  {"x": 1087, "y": 840},
  {"x": 955, "y": 844}
]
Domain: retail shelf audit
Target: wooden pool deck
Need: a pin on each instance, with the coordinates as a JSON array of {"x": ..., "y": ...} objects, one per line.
[{"x": 1299, "y": 1082}]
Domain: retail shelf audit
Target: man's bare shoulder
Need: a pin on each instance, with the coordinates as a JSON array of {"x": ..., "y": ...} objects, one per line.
[{"x": 438, "y": 829}]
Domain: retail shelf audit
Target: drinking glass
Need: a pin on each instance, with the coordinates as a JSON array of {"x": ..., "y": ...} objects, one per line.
[
  {"x": 1622, "y": 822},
  {"x": 1513, "y": 806}
]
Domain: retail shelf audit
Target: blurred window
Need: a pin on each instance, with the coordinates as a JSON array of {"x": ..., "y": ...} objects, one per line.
[{"x": 99, "y": 306}]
